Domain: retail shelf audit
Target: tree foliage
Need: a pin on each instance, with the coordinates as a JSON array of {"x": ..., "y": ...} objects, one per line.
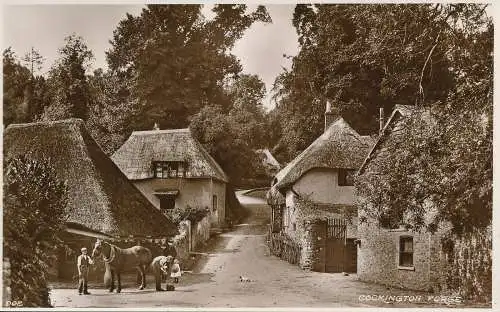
[
  {"x": 233, "y": 135},
  {"x": 69, "y": 88},
  {"x": 16, "y": 80},
  {"x": 363, "y": 57},
  {"x": 34, "y": 202},
  {"x": 175, "y": 61},
  {"x": 25, "y": 95},
  {"x": 438, "y": 169}
]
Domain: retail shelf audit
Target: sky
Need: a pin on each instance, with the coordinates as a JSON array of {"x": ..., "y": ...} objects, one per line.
[{"x": 44, "y": 27}]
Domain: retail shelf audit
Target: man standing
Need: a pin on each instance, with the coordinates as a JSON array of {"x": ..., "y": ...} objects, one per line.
[{"x": 83, "y": 264}]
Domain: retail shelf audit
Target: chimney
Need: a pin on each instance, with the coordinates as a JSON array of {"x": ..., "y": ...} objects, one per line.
[
  {"x": 156, "y": 127},
  {"x": 329, "y": 115},
  {"x": 381, "y": 120}
]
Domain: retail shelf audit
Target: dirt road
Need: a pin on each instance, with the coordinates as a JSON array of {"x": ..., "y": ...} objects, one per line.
[{"x": 214, "y": 282}]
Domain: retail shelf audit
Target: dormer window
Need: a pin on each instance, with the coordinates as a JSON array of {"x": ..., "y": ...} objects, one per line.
[
  {"x": 169, "y": 169},
  {"x": 346, "y": 177}
]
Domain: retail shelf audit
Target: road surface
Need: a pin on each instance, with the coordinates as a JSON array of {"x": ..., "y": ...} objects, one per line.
[{"x": 215, "y": 282}]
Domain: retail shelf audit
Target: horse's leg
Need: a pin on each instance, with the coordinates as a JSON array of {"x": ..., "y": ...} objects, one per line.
[
  {"x": 112, "y": 284},
  {"x": 144, "y": 267},
  {"x": 141, "y": 272},
  {"x": 118, "y": 280}
]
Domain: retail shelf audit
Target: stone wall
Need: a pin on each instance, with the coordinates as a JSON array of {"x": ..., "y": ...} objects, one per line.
[
  {"x": 378, "y": 258},
  {"x": 199, "y": 232},
  {"x": 313, "y": 252},
  {"x": 305, "y": 224},
  {"x": 181, "y": 241}
]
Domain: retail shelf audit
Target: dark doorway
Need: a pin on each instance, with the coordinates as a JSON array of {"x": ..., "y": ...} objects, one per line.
[{"x": 335, "y": 245}]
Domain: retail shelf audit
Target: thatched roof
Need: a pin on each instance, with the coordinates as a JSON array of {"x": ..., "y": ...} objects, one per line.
[
  {"x": 136, "y": 155},
  {"x": 400, "y": 111},
  {"x": 268, "y": 158},
  {"x": 100, "y": 197},
  {"x": 339, "y": 146}
]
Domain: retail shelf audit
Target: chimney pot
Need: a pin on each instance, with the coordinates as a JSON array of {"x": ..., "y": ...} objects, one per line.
[{"x": 330, "y": 115}]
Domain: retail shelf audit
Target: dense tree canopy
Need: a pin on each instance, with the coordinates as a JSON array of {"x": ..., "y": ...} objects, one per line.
[
  {"x": 443, "y": 157},
  {"x": 69, "y": 89},
  {"x": 362, "y": 57},
  {"x": 175, "y": 62},
  {"x": 16, "y": 81},
  {"x": 233, "y": 136}
]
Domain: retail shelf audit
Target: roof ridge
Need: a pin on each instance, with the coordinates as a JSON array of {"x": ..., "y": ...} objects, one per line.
[
  {"x": 77, "y": 121},
  {"x": 134, "y": 156},
  {"x": 147, "y": 132}
]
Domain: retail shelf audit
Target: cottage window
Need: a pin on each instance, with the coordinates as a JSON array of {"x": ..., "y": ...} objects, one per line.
[
  {"x": 169, "y": 169},
  {"x": 214, "y": 203},
  {"x": 346, "y": 177},
  {"x": 158, "y": 171},
  {"x": 180, "y": 170},
  {"x": 406, "y": 251},
  {"x": 167, "y": 203}
]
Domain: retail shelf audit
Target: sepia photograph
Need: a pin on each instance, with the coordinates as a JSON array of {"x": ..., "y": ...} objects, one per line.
[{"x": 262, "y": 156}]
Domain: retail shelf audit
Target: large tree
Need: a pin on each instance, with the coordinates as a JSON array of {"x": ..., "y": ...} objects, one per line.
[
  {"x": 69, "y": 87},
  {"x": 175, "y": 61},
  {"x": 16, "y": 81},
  {"x": 443, "y": 157},
  {"x": 362, "y": 57},
  {"x": 247, "y": 113}
]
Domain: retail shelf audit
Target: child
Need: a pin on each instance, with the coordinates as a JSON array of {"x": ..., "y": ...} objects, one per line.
[{"x": 176, "y": 271}]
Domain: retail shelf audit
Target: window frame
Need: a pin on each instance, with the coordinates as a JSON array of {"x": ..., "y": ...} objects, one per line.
[
  {"x": 343, "y": 177},
  {"x": 215, "y": 203},
  {"x": 403, "y": 253},
  {"x": 169, "y": 169},
  {"x": 164, "y": 199}
]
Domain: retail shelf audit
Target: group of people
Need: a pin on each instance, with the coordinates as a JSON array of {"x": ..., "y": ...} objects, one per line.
[{"x": 84, "y": 261}]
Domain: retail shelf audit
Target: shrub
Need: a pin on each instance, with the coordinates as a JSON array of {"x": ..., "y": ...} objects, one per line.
[
  {"x": 193, "y": 214},
  {"x": 34, "y": 201}
]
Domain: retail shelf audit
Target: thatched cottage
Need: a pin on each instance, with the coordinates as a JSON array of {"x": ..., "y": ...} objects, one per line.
[
  {"x": 172, "y": 169},
  {"x": 270, "y": 164},
  {"x": 102, "y": 203},
  {"x": 317, "y": 209}
]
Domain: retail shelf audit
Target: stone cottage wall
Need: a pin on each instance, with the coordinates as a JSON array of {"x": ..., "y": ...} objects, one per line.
[
  {"x": 378, "y": 258},
  {"x": 310, "y": 231},
  {"x": 312, "y": 257}
]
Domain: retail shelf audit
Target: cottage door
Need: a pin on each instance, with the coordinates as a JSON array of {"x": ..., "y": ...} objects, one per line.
[{"x": 335, "y": 245}]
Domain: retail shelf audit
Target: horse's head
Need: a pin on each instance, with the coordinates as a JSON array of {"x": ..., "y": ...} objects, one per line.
[{"x": 98, "y": 246}]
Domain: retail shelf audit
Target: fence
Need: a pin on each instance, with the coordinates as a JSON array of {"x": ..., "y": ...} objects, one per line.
[{"x": 284, "y": 247}]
